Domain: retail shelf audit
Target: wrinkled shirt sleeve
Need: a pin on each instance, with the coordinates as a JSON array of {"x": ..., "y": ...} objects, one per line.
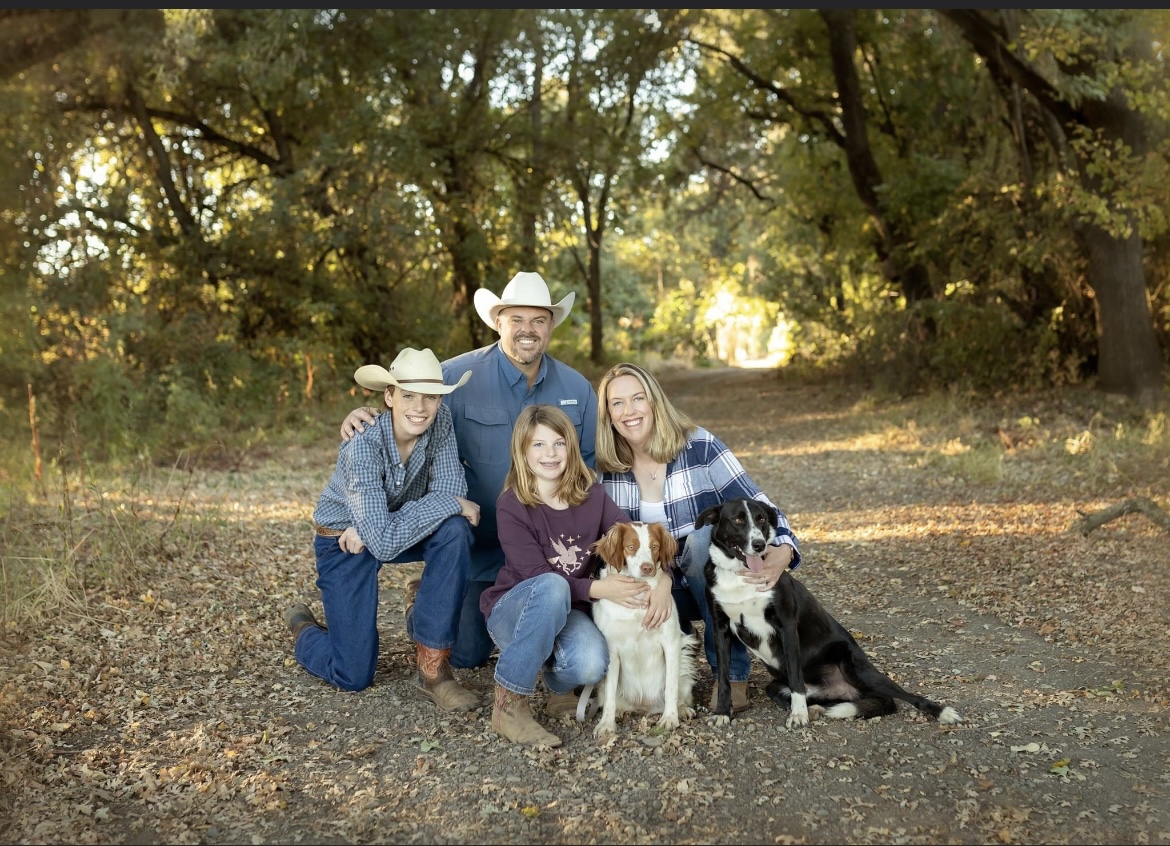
[{"x": 428, "y": 498}]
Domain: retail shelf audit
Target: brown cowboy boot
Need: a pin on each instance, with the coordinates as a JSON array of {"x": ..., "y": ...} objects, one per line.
[
  {"x": 512, "y": 720},
  {"x": 438, "y": 684},
  {"x": 739, "y": 697},
  {"x": 557, "y": 705},
  {"x": 298, "y": 617},
  {"x": 410, "y": 594}
]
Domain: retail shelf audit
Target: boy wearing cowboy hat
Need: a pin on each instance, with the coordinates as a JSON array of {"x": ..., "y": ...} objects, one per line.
[
  {"x": 510, "y": 375},
  {"x": 398, "y": 494}
]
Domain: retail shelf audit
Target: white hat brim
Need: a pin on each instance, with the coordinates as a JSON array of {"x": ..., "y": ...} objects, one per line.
[
  {"x": 488, "y": 307},
  {"x": 374, "y": 377}
]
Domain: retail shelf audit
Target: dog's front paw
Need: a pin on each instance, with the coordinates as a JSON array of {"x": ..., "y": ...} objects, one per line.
[
  {"x": 719, "y": 720},
  {"x": 686, "y": 712},
  {"x": 815, "y": 712},
  {"x": 605, "y": 727},
  {"x": 797, "y": 719},
  {"x": 668, "y": 722}
]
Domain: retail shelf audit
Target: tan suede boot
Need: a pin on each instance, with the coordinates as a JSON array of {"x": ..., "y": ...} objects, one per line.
[
  {"x": 739, "y": 697},
  {"x": 512, "y": 720},
  {"x": 438, "y": 684},
  {"x": 558, "y": 705}
]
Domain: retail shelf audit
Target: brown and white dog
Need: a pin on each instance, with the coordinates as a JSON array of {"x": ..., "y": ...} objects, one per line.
[{"x": 650, "y": 671}]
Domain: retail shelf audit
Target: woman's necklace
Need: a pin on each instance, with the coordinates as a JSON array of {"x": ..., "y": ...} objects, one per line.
[{"x": 653, "y": 474}]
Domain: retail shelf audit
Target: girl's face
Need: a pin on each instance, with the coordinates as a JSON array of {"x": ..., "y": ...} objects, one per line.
[
  {"x": 629, "y": 410},
  {"x": 547, "y": 454}
]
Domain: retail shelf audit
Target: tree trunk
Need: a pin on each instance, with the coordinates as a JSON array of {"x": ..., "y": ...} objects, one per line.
[
  {"x": 889, "y": 238},
  {"x": 596, "y": 349},
  {"x": 1130, "y": 359},
  {"x": 531, "y": 184},
  {"x": 1129, "y": 356}
]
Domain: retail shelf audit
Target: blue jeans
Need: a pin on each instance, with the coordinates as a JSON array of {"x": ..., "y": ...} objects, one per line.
[
  {"x": 692, "y": 605},
  {"x": 536, "y": 628},
  {"x": 346, "y": 653},
  {"x": 473, "y": 645}
]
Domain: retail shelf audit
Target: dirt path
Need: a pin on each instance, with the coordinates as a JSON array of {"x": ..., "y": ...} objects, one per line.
[{"x": 175, "y": 713}]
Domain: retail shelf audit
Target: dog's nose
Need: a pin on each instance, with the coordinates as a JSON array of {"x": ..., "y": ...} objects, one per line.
[
  {"x": 758, "y": 546},
  {"x": 648, "y": 569}
]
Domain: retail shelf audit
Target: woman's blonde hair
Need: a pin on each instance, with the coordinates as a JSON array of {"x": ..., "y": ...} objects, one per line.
[
  {"x": 577, "y": 479},
  {"x": 612, "y": 451}
]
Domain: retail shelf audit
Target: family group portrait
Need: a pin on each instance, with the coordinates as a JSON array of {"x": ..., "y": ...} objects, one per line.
[{"x": 584, "y": 426}]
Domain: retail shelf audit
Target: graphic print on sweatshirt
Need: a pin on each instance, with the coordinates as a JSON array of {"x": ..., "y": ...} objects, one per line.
[{"x": 566, "y": 558}]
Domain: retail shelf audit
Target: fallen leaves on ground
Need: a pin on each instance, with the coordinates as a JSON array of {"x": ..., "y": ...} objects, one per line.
[{"x": 171, "y": 709}]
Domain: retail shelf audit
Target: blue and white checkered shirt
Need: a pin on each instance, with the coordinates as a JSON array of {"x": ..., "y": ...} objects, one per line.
[
  {"x": 394, "y": 506},
  {"x": 705, "y": 473}
]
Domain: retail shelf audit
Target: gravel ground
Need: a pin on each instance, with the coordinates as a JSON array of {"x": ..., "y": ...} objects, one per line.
[{"x": 172, "y": 712}]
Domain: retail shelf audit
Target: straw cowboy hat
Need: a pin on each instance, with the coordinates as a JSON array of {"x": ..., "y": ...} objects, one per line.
[
  {"x": 414, "y": 370},
  {"x": 525, "y": 289}
]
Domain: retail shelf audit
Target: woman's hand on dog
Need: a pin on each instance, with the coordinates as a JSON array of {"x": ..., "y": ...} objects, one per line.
[
  {"x": 776, "y": 561},
  {"x": 621, "y": 589},
  {"x": 660, "y": 605}
]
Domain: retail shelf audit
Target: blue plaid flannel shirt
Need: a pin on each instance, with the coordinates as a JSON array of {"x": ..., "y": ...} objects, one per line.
[
  {"x": 705, "y": 473},
  {"x": 394, "y": 506}
]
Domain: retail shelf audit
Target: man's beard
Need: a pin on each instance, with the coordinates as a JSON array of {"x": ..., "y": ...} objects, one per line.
[{"x": 523, "y": 354}]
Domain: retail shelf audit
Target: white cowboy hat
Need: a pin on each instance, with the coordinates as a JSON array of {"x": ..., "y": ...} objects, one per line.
[
  {"x": 415, "y": 370},
  {"x": 525, "y": 289}
]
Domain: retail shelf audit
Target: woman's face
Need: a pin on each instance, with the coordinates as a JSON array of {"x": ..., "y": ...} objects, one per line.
[
  {"x": 547, "y": 454},
  {"x": 629, "y": 410}
]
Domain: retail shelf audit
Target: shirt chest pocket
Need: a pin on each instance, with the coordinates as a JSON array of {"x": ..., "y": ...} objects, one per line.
[{"x": 489, "y": 434}]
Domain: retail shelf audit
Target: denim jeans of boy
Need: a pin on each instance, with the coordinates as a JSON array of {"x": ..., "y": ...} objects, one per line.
[
  {"x": 536, "y": 628},
  {"x": 692, "y": 605},
  {"x": 346, "y": 654},
  {"x": 473, "y": 645}
]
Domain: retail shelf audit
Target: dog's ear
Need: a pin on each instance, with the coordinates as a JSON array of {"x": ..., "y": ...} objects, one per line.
[
  {"x": 609, "y": 548},
  {"x": 667, "y": 546},
  {"x": 708, "y": 516},
  {"x": 773, "y": 518}
]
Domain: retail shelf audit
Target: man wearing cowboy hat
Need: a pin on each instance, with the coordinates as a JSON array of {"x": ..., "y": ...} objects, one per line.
[
  {"x": 398, "y": 494},
  {"x": 510, "y": 375}
]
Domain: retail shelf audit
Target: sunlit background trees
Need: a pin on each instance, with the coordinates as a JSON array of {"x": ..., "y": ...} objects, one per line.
[{"x": 211, "y": 217}]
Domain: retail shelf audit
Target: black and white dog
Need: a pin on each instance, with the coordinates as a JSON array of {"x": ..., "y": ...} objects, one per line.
[{"x": 811, "y": 656}]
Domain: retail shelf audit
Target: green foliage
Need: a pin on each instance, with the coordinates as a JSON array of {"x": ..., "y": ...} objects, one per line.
[
  {"x": 323, "y": 187},
  {"x": 959, "y": 343}
]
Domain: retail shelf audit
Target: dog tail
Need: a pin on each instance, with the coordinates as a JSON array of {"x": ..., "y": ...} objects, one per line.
[{"x": 945, "y": 714}]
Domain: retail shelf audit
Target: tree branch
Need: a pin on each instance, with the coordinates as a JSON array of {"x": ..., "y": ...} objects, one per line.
[
  {"x": 825, "y": 119},
  {"x": 742, "y": 180},
  {"x": 990, "y": 42},
  {"x": 1143, "y": 504},
  {"x": 162, "y": 163},
  {"x": 207, "y": 133}
]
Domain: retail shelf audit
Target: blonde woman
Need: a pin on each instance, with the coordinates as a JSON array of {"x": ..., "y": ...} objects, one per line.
[
  {"x": 538, "y": 611},
  {"x": 659, "y": 466}
]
